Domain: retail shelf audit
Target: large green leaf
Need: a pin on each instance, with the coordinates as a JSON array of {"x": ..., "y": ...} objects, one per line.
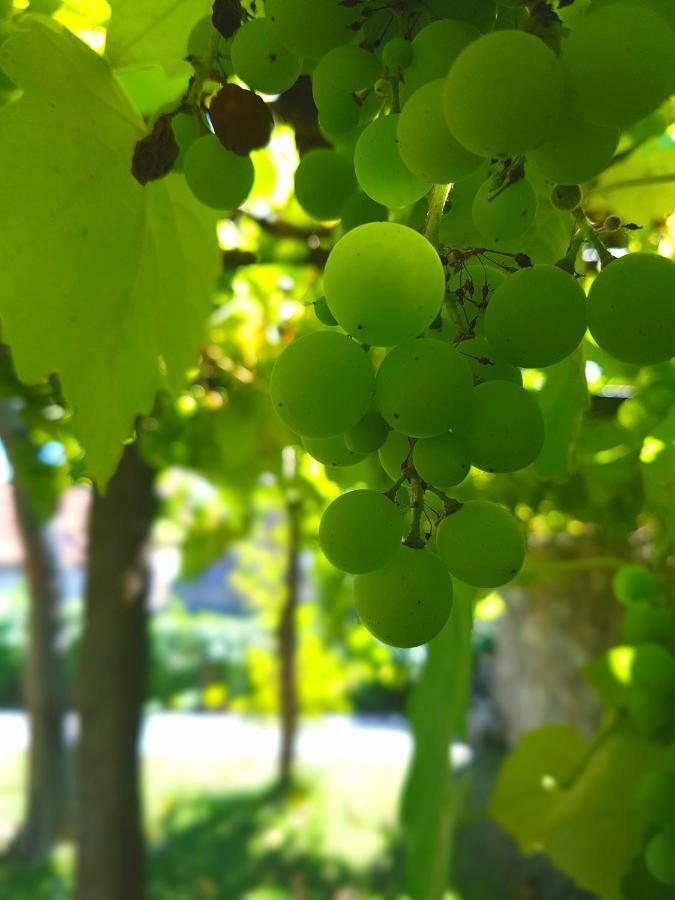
[
  {"x": 432, "y": 795},
  {"x": 105, "y": 282},
  {"x": 576, "y": 803},
  {"x": 563, "y": 399},
  {"x": 152, "y": 30}
]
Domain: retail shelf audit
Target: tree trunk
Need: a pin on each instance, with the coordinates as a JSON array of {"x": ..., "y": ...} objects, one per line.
[
  {"x": 287, "y": 641},
  {"x": 45, "y": 695},
  {"x": 111, "y": 687}
]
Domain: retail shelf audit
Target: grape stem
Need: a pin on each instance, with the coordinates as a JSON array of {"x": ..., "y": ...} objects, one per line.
[
  {"x": 436, "y": 200},
  {"x": 587, "y": 230},
  {"x": 414, "y": 538},
  {"x": 393, "y": 490},
  {"x": 450, "y": 505}
]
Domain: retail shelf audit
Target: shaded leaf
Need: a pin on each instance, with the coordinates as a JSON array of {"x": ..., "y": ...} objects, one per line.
[{"x": 152, "y": 30}]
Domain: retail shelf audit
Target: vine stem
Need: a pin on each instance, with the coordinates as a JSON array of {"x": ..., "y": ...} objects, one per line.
[
  {"x": 203, "y": 71},
  {"x": 436, "y": 199},
  {"x": 417, "y": 488},
  {"x": 633, "y": 182},
  {"x": 586, "y": 228}
]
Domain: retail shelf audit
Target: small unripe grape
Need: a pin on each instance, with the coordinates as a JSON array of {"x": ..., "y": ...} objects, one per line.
[
  {"x": 360, "y": 531},
  {"x": 653, "y": 669},
  {"x": 566, "y": 196},
  {"x": 612, "y": 223},
  {"x": 482, "y": 544},
  {"x": 368, "y": 434},
  {"x": 407, "y": 601},
  {"x": 649, "y": 714},
  {"x": 393, "y": 453},
  {"x": 660, "y": 857},
  {"x": 504, "y": 430},
  {"x": 397, "y": 53},
  {"x": 322, "y": 384},
  {"x": 634, "y": 583},
  {"x": 631, "y": 309},
  {"x": 643, "y": 623},
  {"x": 323, "y": 313},
  {"x": 441, "y": 461}
]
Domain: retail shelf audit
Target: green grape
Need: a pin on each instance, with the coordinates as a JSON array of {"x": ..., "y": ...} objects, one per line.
[
  {"x": 630, "y": 41},
  {"x": 199, "y": 42},
  {"x": 634, "y": 583},
  {"x": 434, "y": 50},
  {"x": 631, "y": 309},
  {"x": 660, "y": 857},
  {"x": 653, "y": 669},
  {"x": 323, "y": 182},
  {"x": 384, "y": 283},
  {"x": 576, "y": 151},
  {"x": 261, "y": 60},
  {"x": 397, "y": 53},
  {"x": 217, "y": 177},
  {"x": 504, "y": 430},
  {"x": 566, "y": 196},
  {"x": 345, "y": 70},
  {"x": 480, "y": 13},
  {"x": 655, "y": 798},
  {"x": 407, "y": 601},
  {"x": 311, "y": 28},
  {"x": 393, "y": 453},
  {"x": 423, "y": 387},
  {"x": 501, "y": 213},
  {"x": 380, "y": 171},
  {"x": 358, "y": 209},
  {"x": 339, "y": 115},
  {"x": 441, "y": 460},
  {"x": 426, "y": 146},
  {"x": 536, "y": 317},
  {"x": 476, "y": 281},
  {"x": 360, "y": 531},
  {"x": 457, "y": 227},
  {"x": 481, "y": 544},
  {"x": 332, "y": 451},
  {"x": 649, "y": 714},
  {"x": 368, "y": 434},
  {"x": 186, "y": 129},
  {"x": 485, "y": 365},
  {"x": 367, "y": 472},
  {"x": 644, "y": 623},
  {"x": 504, "y": 94},
  {"x": 323, "y": 313},
  {"x": 322, "y": 384}
]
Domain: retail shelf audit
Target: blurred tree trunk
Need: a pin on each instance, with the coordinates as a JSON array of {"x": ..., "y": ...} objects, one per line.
[
  {"x": 287, "y": 642},
  {"x": 45, "y": 694},
  {"x": 111, "y": 686}
]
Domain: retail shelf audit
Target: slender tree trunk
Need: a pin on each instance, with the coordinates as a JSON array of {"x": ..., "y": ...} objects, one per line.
[
  {"x": 287, "y": 641},
  {"x": 45, "y": 694},
  {"x": 111, "y": 687}
]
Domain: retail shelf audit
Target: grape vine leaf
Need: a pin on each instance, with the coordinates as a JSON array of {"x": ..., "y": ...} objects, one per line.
[
  {"x": 106, "y": 283},
  {"x": 562, "y": 399},
  {"x": 558, "y": 795},
  {"x": 152, "y": 31},
  {"x": 433, "y": 795}
]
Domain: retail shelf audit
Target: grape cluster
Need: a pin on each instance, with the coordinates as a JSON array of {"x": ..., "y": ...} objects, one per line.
[
  {"x": 432, "y": 307},
  {"x": 649, "y": 628}
]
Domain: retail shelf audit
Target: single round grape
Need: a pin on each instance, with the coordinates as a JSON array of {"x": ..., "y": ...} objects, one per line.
[
  {"x": 631, "y": 309},
  {"x": 634, "y": 583},
  {"x": 434, "y": 50},
  {"x": 384, "y": 283},
  {"x": 217, "y": 177},
  {"x": 536, "y": 317},
  {"x": 343, "y": 71},
  {"x": 441, "y": 460},
  {"x": 660, "y": 857},
  {"x": 566, "y": 196},
  {"x": 397, "y": 54},
  {"x": 393, "y": 453},
  {"x": 648, "y": 713},
  {"x": 358, "y": 209},
  {"x": 339, "y": 115},
  {"x": 457, "y": 227},
  {"x": 368, "y": 434},
  {"x": 186, "y": 129},
  {"x": 481, "y": 544},
  {"x": 323, "y": 182},
  {"x": 380, "y": 171},
  {"x": 332, "y": 451},
  {"x": 406, "y": 602},
  {"x": 424, "y": 141},
  {"x": 655, "y": 798},
  {"x": 261, "y": 60},
  {"x": 576, "y": 151},
  {"x": 504, "y": 430},
  {"x": 502, "y": 213},
  {"x": 311, "y": 28},
  {"x": 643, "y": 623},
  {"x": 199, "y": 41},
  {"x": 480, "y": 13},
  {"x": 360, "y": 531},
  {"x": 504, "y": 94},
  {"x": 625, "y": 39},
  {"x": 653, "y": 669},
  {"x": 485, "y": 364},
  {"x": 322, "y": 384},
  {"x": 423, "y": 387},
  {"x": 323, "y": 313}
]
